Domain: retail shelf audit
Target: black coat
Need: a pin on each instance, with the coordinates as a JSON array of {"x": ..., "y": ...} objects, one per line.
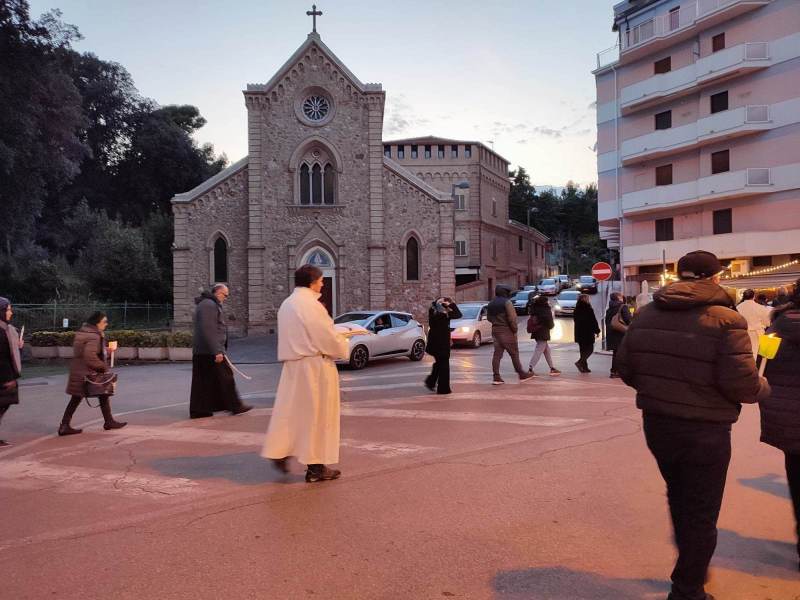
[
  {"x": 544, "y": 314},
  {"x": 586, "y": 327},
  {"x": 688, "y": 355},
  {"x": 780, "y": 413},
  {"x": 614, "y": 337},
  {"x": 439, "y": 331},
  {"x": 7, "y": 372}
]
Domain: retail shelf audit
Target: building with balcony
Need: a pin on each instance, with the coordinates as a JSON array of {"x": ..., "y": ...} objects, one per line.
[
  {"x": 698, "y": 135},
  {"x": 489, "y": 249}
]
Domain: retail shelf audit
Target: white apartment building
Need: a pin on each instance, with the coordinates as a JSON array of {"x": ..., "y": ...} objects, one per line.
[{"x": 698, "y": 137}]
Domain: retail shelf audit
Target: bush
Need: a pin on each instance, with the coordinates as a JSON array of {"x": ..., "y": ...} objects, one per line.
[
  {"x": 126, "y": 338},
  {"x": 180, "y": 339},
  {"x": 45, "y": 339},
  {"x": 149, "y": 339},
  {"x": 65, "y": 338}
]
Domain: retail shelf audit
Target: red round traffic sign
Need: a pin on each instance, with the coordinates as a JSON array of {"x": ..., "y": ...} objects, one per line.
[{"x": 601, "y": 271}]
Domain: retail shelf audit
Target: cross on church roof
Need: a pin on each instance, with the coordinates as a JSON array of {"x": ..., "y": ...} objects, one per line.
[{"x": 314, "y": 13}]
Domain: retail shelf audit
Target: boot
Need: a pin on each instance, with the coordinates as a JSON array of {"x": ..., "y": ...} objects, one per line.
[
  {"x": 65, "y": 428},
  {"x": 321, "y": 473},
  {"x": 110, "y": 422}
]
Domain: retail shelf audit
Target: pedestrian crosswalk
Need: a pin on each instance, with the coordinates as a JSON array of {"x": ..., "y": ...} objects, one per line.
[{"x": 69, "y": 466}]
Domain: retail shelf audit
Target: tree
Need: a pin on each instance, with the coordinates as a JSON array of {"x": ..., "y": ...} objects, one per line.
[
  {"x": 40, "y": 117},
  {"x": 521, "y": 197}
]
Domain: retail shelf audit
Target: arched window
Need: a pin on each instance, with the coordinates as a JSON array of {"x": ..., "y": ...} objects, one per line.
[
  {"x": 412, "y": 259},
  {"x": 220, "y": 261},
  {"x": 317, "y": 176},
  {"x": 305, "y": 185}
]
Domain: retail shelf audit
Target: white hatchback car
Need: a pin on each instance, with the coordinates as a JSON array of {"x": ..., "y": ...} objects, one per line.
[
  {"x": 473, "y": 327},
  {"x": 389, "y": 334}
]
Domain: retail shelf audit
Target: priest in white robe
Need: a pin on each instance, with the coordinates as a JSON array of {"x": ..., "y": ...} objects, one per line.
[
  {"x": 758, "y": 318},
  {"x": 305, "y": 417}
]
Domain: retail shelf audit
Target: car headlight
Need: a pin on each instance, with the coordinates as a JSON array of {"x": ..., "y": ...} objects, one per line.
[
  {"x": 465, "y": 329},
  {"x": 557, "y": 306}
]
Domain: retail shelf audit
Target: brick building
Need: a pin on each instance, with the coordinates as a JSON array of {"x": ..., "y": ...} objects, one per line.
[{"x": 316, "y": 187}]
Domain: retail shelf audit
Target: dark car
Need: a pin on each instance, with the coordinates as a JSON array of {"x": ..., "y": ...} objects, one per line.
[
  {"x": 520, "y": 301},
  {"x": 587, "y": 284}
]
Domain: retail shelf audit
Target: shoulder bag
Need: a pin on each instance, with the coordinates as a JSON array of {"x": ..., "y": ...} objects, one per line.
[{"x": 617, "y": 324}]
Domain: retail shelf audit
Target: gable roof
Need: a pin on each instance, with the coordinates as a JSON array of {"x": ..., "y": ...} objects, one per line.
[
  {"x": 211, "y": 182},
  {"x": 395, "y": 167},
  {"x": 313, "y": 39}
]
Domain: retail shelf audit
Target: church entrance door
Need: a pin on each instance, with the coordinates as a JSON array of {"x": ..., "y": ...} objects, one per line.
[{"x": 322, "y": 259}]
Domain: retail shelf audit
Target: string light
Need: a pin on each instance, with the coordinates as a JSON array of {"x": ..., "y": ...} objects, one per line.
[{"x": 763, "y": 271}]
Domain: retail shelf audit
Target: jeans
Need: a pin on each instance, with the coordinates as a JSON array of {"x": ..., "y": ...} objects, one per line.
[
  {"x": 440, "y": 375},
  {"x": 505, "y": 340},
  {"x": 793, "y": 476},
  {"x": 542, "y": 347},
  {"x": 693, "y": 458}
]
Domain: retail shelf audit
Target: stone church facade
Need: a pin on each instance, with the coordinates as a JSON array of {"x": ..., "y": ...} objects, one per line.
[{"x": 315, "y": 187}]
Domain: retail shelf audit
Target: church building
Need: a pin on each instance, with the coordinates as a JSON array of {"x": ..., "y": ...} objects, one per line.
[{"x": 316, "y": 187}]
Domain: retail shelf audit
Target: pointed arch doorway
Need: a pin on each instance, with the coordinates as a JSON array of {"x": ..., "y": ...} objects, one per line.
[{"x": 322, "y": 259}]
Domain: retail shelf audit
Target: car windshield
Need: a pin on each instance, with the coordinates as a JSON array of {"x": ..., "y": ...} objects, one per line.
[
  {"x": 470, "y": 312},
  {"x": 523, "y": 296},
  {"x": 357, "y": 318},
  {"x": 568, "y": 296},
  {"x": 587, "y": 279},
  {"x": 547, "y": 282}
]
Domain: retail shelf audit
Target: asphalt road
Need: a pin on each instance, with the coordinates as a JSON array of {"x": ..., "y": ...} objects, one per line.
[{"x": 542, "y": 490}]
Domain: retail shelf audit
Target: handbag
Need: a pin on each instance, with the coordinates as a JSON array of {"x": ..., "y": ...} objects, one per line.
[
  {"x": 617, "y": 324},
  {"x": 100, "y": 384},
  {"x": 533, "y": 324}
]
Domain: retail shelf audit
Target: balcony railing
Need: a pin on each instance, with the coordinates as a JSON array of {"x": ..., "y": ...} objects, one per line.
[{"x": 675, "y": 20}]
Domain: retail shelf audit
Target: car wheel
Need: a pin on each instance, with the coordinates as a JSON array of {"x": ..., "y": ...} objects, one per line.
[
  {"x": 476, "y": 340},
  {"x": 417, "y": 350},
  {"x": 359, "y": 358}
]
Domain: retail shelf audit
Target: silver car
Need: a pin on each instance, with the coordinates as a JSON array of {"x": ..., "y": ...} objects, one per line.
[
  {"x": 549, "y": 287},
  {"x": 564, "y": 303},
  {"x": 389, "y": 334},
  {"x": 473, "y": 327}
]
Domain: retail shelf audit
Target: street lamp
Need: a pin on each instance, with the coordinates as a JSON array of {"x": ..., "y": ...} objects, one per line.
[{"x": 462, "y": 185}]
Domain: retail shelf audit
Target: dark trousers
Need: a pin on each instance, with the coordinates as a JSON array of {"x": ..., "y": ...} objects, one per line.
[
  {"x": 440, "y": 375},
  {"x": 3, "y": 410},
  {"x": 613, "y": 361},
  {"x": 793, "y": 476},
  {"x": 586, "y": 351},
  {"x": 75, "y": 402},
  {"x": 213, "y": 387},
  {"x": 693, "y": 458},
  {"x": 505, "y": 340}
]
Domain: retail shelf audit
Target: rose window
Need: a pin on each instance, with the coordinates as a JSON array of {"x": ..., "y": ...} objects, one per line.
[{"x": 316, "y": 108}]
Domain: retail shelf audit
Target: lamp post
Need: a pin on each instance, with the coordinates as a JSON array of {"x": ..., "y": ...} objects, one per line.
[{"x": 528, "y": 212}]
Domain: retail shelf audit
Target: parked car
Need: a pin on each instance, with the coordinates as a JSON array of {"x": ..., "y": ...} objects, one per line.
[
  {"x": 564, "y": 282},
  {"x": 548, "y": 287},
  {"x": 588, "y": 284},
  {"x": 565, "y": 302},
  {"x": 520, "y": 301},
  {"x": 473, "y": 327},
  {"x": 530, "y": 288},
  {"x": 389, "y": 334}
]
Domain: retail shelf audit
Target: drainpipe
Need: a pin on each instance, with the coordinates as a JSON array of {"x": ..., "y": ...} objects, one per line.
[{"x": 616, "y": 180}]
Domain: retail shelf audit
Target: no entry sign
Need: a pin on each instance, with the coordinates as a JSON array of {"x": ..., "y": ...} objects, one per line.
[{"x": 601, "y": 271}]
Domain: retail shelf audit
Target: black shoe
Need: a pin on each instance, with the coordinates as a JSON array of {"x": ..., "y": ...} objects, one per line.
[
  {"x": 431, "y": 388},
  {"x": 615, "y": 376},
  {"x": 200, "y": 415},
  {"x": 241, "y": 409},
  {"x": 65, "y": 429},
  {"x": 497, "y": 380},
  {"x": 4, "y": 444},
  {"x": 321, "y": 473},
  {"x": 114, "y": 425},
  {"x": 525, "y": 377},
  {"x": 677, "y": 596},
  {"x": 445, "y": 392},
  {"x": 281, "y": 464}
]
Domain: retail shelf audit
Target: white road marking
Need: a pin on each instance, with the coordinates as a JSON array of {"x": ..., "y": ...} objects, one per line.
[
  {"x": 31, "y": 475},
  {"x": 472, "y": 417}
]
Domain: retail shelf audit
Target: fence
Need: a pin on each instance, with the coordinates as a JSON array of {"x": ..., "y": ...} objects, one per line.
[{"x": 38, "y": 317}]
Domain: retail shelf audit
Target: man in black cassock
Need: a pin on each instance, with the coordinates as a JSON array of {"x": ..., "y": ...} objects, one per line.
[{"x": 213, "y": 386}]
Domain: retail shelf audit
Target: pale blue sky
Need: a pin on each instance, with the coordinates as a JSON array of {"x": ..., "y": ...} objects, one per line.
[{"x": 513, "y": 71}]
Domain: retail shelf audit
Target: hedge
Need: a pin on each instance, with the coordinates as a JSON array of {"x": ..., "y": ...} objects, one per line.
[{"x": 124, "y": 339}]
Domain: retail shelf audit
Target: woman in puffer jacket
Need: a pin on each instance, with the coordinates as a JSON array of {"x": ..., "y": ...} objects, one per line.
[{"x": 780, "y": 413}]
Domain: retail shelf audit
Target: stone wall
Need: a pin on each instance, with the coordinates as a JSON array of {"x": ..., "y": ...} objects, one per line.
[
  {"x": 222, "y": 210},
  {"x": 410, "y": 211}
]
